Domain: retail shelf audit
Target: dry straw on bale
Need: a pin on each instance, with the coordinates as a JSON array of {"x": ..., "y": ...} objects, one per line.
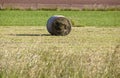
[{"x": 59, "y": 25}]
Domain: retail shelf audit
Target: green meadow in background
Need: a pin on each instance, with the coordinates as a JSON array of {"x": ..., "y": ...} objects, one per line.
[{"x": 79, "y": 18}]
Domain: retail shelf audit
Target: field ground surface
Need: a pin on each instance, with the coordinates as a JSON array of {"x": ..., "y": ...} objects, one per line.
[
  {"x": 87, "y": 52},
  {"x": 107, "y": 2},
  {"x": 79, "y": 18},
  {"x": 37, "y": 4}
]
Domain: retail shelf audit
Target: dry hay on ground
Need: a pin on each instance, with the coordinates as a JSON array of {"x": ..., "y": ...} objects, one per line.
[{"x": 88, "y": 51}]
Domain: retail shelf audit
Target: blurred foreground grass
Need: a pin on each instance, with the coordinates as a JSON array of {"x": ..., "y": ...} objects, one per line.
[{"x": 87, "y": 52}]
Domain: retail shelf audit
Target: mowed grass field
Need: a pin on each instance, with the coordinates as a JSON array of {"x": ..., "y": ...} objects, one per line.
[
  {"x": 87, "y": 52},
  {"x": 39, "y": 18},
  {"x": 27, "y": 50}
]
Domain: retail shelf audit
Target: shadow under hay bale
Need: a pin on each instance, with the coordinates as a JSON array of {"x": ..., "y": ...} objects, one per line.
[{"x": 58, "y": 25}]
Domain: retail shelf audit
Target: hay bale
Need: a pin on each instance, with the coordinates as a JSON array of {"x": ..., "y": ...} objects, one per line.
[{"x": 58, "y": 25}]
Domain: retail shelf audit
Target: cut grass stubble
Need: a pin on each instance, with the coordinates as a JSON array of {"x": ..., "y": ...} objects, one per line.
[{"x": 87, "y": 52}]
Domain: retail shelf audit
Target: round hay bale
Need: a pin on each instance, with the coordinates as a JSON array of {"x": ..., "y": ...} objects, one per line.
[{"x": 58, "y": 25}]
